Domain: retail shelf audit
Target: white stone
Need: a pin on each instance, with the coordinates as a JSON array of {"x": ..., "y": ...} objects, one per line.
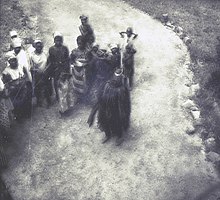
[
  {"x": 210, "y": 143},
  {"x": 194, "y": 88},
  {"x": 187, "y": 40},
  {"x": 190, "y": 130},
  {"x": 214, "y": 157},
  {"x": 195, "y": 114},
  {"x": 185, "y": 91},
  {"x": 194, "y": 108},
  {"x": 216, "y": 109},
  {"x": 188, "y": 104},
  {"x": 179, "y": 30}
]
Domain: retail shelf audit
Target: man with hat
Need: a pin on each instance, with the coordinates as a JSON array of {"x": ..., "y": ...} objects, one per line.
[
  {"x": 58, "y": 60},
  {"x": 86, "y": 30},
  {"x": 113, "y": 108},
  {"x": 38, "y": 62}
]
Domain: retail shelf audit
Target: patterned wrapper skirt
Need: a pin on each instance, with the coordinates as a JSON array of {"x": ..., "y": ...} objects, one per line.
[
  {"x": 67, "y": 98},
  {"x": 5, "y": 107}
]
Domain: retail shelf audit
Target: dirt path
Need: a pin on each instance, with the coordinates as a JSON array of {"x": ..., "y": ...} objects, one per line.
[{"x": 63, "y": 159}]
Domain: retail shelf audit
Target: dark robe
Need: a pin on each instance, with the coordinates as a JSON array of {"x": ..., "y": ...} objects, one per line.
[{"x": 113, "y": 109}]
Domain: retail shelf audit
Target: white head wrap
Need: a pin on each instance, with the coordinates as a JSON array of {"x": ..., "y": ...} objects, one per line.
[
  {"x": 10, "y": 55},
  {"x": 37, "y": 41},
  {"x": 13, "y": 33},
  {"x": 57, "y": 34},
  {"x": 17, "y": 42},
  {"x": 112, "y": 46}
]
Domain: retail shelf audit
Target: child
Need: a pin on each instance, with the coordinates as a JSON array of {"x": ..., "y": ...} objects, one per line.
[{"x": 86, "y": 30}]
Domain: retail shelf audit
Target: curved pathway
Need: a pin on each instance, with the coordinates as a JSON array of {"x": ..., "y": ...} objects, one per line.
[{"x": 63, "y": 159}]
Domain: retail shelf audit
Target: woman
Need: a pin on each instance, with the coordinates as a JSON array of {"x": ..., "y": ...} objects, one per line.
[
  {"x": 5, "y": 108},
  {"x": 15, "y": 78}
]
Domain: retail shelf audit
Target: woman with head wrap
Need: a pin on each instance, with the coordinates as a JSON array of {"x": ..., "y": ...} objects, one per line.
[
  {"x": 80, "y": 58},
  {"x": 15, "y": 79},
  {"x": 21, "y": 57}
]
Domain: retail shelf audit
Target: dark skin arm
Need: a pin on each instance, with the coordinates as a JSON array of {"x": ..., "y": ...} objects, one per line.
[
  {"x": 135, "y": 35},
  {"x": 122, "y": 34}
]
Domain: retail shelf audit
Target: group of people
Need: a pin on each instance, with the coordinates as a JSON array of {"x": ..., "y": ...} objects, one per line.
[{"x": 87, "y": 74}]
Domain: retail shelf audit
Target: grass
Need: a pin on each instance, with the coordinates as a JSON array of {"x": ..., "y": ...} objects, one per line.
[{"x": 11, "y": 18}]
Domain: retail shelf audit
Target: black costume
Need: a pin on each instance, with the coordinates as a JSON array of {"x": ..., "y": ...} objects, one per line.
[{"x": 113, "y": 108}]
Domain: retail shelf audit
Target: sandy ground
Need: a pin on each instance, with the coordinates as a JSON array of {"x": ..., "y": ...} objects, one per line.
[{"x": 55, "y": 159}]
